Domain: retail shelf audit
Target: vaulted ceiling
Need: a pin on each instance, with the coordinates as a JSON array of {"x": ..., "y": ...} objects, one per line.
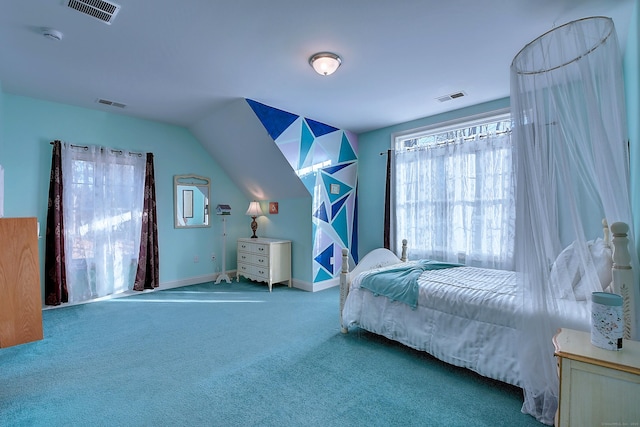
[
  {"x": 192, "y": 63},
  {"x": 177, "y": 61}
]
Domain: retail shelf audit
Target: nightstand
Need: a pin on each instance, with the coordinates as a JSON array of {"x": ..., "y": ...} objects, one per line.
[
  {"x": 597, "y": 387},
  {"x": 264, "y": 260}
]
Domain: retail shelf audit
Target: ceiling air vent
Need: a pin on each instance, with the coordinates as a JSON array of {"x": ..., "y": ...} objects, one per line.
[
  {"x": 451, "y": 96},
  {"x": 110, "y": 103},
  {"x": 103, "y": 10}
]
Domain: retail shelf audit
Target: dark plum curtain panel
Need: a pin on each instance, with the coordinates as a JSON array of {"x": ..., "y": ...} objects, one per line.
[
  {"x": 387, "y": 204},
  {"x": 148, "y": 273},
  {"x": 55, "y": 282}
]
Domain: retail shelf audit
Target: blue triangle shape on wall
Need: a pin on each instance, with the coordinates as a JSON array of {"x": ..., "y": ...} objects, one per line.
[
  {"x": 274, "y": 121},
  {"x": 346, "y": 152},
  {"x": 339, "y": 224},
  {"x": 335, "y": 207},
  {"x": 324, "y": 259},
  {"x": 322, "y": 276},
  {"x": 321, "y": 213},
  {"x": 333, "y": 169},
  {"x": 320, "y": 129}
]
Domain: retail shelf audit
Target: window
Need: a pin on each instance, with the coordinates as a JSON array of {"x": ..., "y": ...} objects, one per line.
[
  {"x": 454, "y": 192},
  {"x": 103, "y": 201}
]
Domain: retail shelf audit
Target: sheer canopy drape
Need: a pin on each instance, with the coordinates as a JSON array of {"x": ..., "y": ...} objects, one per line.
[
  {"x": 455, "y": 197},
  {"x": 570, "y": 136}
]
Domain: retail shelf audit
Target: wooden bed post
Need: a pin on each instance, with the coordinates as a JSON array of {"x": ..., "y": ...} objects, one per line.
[
  {"x": 403, "y": 257},
  {"x": 623, "y": 276}
]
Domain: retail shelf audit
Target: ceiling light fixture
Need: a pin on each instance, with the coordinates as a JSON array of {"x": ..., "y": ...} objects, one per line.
[{"x": 325, "y": 63}]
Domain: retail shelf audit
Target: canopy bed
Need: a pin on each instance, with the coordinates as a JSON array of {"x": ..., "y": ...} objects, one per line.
[
  {"x": 572, "y": 161},
  {"x": 466, "y": 316}
]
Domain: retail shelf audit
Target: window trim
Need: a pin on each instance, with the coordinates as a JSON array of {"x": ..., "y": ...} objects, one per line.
[
  {"x": 502, "y": 114},
  {"x": 453, "y": 124}
]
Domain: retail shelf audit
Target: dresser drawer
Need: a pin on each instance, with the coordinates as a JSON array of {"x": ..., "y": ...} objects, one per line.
[
  {"x": 254, "y": 272},
  {"x": 253, "y": 248},
  {"x": 249, "y": 258}
]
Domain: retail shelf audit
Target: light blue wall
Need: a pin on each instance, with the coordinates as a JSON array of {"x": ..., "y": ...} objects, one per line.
[
  {"x": 632, "y": 90},
  {"x": 28, "y": 126},
  {"x": 372, "y": 170}
]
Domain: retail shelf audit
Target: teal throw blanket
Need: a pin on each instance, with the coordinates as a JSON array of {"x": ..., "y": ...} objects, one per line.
[{"x": 401, "y": 283}]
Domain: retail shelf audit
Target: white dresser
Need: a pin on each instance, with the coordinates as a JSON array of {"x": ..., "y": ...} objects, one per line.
[
  {"x": 597, "y": 387},
  {"x": 264, "y": 260}
]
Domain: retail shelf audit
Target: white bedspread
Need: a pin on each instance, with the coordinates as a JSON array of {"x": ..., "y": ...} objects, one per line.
[{"x": 466, "y": 316}]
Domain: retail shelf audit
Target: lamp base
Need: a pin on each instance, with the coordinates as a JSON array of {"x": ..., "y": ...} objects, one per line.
[{"x": 254, "y": 227}]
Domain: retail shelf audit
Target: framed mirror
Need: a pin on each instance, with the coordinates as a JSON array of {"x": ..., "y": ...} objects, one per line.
[{"x": 191, "y": 198}]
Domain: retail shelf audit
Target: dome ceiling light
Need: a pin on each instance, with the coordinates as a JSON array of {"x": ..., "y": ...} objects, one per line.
[{"x": 325, "y": 63}]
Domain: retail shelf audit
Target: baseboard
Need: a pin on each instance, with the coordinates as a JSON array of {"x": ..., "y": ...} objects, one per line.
[
  {"x": 188, "y": 281},
  {"x": 196, "y": 280},
  {"x": 315, "y": 287},
  {"x": 326, "y": 284}
]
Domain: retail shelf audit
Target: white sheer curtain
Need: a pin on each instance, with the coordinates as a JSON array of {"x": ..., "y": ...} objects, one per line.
[
  {"x": 570, "y": 136},
  {"x": 455, "y": 196},
  {"x": 103, "y": 201}
]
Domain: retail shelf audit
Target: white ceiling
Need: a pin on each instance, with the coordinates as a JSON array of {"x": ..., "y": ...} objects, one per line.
[{"x": 176, "y": 61}]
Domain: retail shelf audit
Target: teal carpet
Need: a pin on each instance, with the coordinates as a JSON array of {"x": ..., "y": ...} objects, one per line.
[{"x": 234, "y": 355}]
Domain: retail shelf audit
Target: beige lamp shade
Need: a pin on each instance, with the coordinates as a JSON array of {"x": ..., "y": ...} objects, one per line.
[{"x": 254, "y": 209}]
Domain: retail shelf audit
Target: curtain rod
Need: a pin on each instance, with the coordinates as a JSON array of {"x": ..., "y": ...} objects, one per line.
[{"x": 131, "y": 153}]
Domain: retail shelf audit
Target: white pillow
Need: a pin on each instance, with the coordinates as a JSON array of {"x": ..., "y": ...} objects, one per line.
[{"x": 566, "y": 276}]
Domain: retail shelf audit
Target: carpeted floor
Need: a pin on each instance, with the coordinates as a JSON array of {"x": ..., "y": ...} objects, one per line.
[{"x": 234, "y": 355}]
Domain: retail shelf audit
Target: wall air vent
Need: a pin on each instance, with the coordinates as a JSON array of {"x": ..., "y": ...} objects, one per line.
[
  {"x": 110, "y": 103},
  {"x": 451, "y": 96},
  {"x": 100, "y": 9}
]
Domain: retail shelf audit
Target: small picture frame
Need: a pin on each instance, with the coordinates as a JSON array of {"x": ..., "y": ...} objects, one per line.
[{"x": 273, "y": 208}]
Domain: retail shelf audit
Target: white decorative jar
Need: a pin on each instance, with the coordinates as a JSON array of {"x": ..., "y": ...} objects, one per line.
[{"x": 607, "y": 321}]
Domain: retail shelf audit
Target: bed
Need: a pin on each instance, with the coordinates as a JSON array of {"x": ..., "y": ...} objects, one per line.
[{"x": 465, "y": 316}]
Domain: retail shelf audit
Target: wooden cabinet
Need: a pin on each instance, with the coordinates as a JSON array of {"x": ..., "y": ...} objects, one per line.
[
  {"x": 264, "y": 260},
  {"x": 20, "y": 294},
  {"x": 597, "y": 386}
]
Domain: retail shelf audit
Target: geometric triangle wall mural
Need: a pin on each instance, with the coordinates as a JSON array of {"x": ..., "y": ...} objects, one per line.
[{"x": 329, "y": 156}]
